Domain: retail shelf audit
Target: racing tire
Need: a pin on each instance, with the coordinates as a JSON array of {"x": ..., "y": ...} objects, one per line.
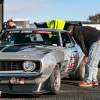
[
  {"x": 79, "y": 74},
  {"x": 54, "y": 83}
]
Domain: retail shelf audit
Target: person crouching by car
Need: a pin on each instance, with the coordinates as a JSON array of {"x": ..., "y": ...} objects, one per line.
[
  {"x": 10, "y": 24},
  {"x": 88, "y": 38}
]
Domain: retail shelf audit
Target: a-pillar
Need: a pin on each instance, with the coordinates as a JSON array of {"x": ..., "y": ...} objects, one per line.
[{"x": 1, "y": 13}]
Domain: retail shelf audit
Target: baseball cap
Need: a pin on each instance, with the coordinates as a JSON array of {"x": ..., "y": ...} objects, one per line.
[
  {"x": 10, "y": 20},
  {"x": 70, "y": 27}
]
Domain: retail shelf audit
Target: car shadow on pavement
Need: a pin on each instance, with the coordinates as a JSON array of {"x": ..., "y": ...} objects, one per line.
[{"x": 70, "y": 81}]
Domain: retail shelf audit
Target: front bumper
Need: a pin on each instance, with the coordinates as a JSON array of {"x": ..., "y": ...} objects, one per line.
[
  {"x": 29, "y": 78},
  {"x": 34, "y": 89},
  {"x": 25, "y": 88},
  {"x": 21, "y": 74}
]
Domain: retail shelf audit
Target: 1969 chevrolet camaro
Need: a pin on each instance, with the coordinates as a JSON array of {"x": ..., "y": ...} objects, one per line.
[{"x": 36, "y": 59}]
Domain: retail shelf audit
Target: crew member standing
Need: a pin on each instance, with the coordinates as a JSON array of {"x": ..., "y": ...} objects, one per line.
[{"x": 88, "y": 39}]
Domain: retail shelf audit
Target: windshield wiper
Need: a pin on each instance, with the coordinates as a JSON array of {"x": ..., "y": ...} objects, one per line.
[
  {"x": 25, "y": 44},
  {"x": 37, "y": 43},
  {"x": 28, "y": 44}
]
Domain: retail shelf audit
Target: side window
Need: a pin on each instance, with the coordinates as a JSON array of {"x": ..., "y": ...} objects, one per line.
[
  {"x": 8, "y": 38},
  {"x": 65, "y": 39}
]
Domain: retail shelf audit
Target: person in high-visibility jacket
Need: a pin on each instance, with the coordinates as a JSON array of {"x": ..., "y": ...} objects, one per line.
[{"x": 55, "y": 24}]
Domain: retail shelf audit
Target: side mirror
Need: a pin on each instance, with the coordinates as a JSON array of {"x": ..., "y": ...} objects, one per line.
[{"x": 68, "y": 45}]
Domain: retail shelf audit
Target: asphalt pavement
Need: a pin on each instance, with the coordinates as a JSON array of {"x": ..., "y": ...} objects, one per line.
[{"x": 69, "y": 91}]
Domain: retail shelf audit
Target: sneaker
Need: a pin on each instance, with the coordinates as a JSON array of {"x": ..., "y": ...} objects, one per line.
[
  {"x": 85, "y": 84},
  {"x": 95, "y": 83}
]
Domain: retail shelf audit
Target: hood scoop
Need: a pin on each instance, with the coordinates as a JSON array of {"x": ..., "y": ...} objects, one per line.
[{"x": 15, "y": 48}]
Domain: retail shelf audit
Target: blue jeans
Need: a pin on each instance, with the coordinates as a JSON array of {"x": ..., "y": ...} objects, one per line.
[{"x": 93, "y": 60}]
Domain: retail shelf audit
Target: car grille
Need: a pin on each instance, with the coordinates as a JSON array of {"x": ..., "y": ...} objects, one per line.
[
  {"x": 14, "y": 65},
  {"x": 10, "y": 65}
]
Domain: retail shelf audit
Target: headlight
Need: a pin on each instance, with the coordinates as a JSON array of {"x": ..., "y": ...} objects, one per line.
[{"x": 29, "y": 65}]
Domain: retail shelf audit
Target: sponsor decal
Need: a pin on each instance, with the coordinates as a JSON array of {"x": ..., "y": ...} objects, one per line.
[
  {"x": 66, "y": 70},
  {"x": 15, "y": 31},
  {"x": 71, "y": 65},
  {"x": 9, "y": 32},
  {"x": 26, "y": 31}
]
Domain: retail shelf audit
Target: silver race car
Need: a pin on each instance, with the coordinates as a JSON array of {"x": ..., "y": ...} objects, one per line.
[{"x": 36, "y": 59}]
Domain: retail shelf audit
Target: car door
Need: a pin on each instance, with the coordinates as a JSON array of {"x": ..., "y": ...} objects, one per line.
[
  {"x": 70, "y": 55},
  {"x": 75, "y": 56}
]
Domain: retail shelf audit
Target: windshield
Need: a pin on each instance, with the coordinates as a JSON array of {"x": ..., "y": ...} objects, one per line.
[{"x": 35, "y": 37}]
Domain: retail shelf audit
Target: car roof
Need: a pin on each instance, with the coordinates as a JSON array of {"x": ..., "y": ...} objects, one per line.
[{"x": 35, "y": 29}]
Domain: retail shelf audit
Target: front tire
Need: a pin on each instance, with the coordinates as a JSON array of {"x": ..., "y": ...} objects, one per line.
[{"x": 54, "y": 83}]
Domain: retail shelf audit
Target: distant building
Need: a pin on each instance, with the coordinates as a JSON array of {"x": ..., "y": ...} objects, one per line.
[
  {"x": 21, "y": 23},
  {"x": 95, "y": 25},
  {"x": 85, "y": 23}
]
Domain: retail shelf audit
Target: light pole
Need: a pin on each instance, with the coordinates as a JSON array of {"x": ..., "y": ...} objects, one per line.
[{"x": 1, "y": 13}]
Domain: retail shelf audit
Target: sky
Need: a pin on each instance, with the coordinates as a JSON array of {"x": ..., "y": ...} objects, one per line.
[{"x": 46, "y": 10}]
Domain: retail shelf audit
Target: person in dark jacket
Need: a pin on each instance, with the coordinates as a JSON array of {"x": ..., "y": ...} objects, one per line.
[
  {"x": 4, "y": 27},
  {"x": 10, "y": 24},
  {"x": 88, "y": 38},
  {"x": 7, "y": 25}
]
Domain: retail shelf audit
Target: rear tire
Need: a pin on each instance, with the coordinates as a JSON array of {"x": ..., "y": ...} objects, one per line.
[
  {"x": 54, "y": 81},
  {"x": 79, "y": 74}
]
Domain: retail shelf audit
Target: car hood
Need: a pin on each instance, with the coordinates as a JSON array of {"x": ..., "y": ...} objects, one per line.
[{"x": 23, "y": 52}]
